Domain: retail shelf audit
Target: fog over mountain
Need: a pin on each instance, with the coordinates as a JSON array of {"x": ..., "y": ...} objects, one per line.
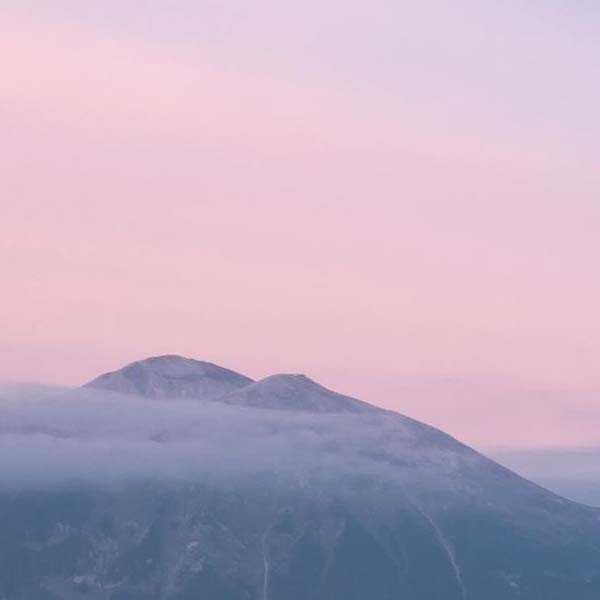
[{"x": 177, "y": 479}]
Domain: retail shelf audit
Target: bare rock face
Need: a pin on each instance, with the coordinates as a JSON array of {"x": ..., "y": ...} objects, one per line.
[{"x": 324, "y": 498}]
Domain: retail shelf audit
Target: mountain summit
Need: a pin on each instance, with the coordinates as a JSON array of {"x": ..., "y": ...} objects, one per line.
[
  {"x": 294, "y": 393},
  {"x": 171, "y": 376}
]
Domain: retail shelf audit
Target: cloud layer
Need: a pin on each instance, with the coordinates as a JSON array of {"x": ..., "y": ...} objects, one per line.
[{"x": 52, "y": 436}]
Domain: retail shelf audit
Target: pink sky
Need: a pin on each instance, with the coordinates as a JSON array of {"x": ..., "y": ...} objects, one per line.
[{"x": 380, "y": 200}]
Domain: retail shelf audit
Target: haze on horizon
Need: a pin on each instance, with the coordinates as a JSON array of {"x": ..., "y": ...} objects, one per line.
[{"x": 401, "y": 201}]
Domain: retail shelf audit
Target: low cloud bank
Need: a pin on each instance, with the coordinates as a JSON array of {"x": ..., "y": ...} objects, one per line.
[{"x": 54, "y": 436}]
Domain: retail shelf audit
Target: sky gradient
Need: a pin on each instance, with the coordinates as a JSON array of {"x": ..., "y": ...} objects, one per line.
[{"x": 401, "y": 201}]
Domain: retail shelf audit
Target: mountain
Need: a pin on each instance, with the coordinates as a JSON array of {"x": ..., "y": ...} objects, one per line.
[
  {"x": 171, "y": 376},
  {"x": 283, "y": 490}
]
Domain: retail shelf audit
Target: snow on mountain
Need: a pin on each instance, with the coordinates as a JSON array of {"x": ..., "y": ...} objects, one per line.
[{"x": 171, "y": 376}]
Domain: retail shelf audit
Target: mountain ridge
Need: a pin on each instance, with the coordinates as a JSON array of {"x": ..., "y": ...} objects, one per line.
[{"x": 174, "y": 376}]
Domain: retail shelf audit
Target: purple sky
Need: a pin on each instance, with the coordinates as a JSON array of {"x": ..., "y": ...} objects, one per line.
[{"x": 400, "y": 199}]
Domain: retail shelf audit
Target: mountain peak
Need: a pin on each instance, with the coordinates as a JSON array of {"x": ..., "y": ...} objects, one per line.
[
  {"x": 294, "y": 392},
  {"x": 171, "y": 376}
]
